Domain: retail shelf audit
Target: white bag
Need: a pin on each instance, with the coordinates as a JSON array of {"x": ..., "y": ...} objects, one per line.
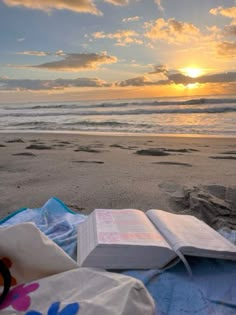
[
  {"x": 32, "y": 254},
  {"x": 46, "y": 281}
]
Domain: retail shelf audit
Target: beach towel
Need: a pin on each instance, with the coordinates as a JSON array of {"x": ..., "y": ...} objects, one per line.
[{"x": 211, "y": 291}]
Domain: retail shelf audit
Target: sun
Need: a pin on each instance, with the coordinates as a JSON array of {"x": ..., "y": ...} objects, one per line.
[{"x": 192, "y": 72}]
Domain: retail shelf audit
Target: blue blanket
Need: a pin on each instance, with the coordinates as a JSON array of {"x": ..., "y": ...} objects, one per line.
[{"x": 212, "y": 290}]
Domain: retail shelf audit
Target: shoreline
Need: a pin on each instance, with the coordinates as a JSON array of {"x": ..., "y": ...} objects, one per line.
[
  {"x": 115, "y": 134},
  {"x": 165, "y": 97},
  {"x": 175, "y": 174}
]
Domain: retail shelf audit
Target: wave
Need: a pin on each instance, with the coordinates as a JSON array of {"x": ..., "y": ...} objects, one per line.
[
  {"x": 108, "y": 124},
  {"x": 81, "y": 123},
  {"x": 197, "y": 101},
  {"x": 85, "y": 126},
  {"x": 202, "y": 110},
  {"x": 111, "y": 126},
  {"x": 99, "y": 123},
  {"x": 65, "y": 106},
  {"x": 36, "y": 125}
]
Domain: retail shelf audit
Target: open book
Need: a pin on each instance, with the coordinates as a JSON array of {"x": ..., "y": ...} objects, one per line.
[{"x": 132, "y": 239}]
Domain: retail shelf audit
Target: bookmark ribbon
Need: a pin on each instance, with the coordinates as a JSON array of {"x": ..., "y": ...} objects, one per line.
[{"x": 181, "y": 256}]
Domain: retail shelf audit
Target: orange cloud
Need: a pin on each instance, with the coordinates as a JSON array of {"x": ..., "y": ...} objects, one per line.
[
  {"x": 122, "y": 37},
  {"x": 227, "y": 49},
  {"x": 228, "y": 12},
  {"x": 82, "y": 6},
  {"x": 85, "y": 6},
  {"x": 171, "y": 30},
  {"x": 118, "y": 2}
]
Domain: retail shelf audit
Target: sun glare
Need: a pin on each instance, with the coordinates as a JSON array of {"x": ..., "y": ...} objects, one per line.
[
  {"x": 192, "y": 72},
  {"x": 192, "y": 86}
]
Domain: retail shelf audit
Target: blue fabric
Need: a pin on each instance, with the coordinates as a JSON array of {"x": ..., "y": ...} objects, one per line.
[
  {"x": 55, "y": 220},
  {"x": 211, "y": 291}
]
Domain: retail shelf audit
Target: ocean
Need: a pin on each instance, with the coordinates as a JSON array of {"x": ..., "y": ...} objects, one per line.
[{"x": 192, "y": 116}]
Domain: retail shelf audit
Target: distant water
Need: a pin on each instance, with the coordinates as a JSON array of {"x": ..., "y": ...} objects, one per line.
[{"x": 206, "y": 116}]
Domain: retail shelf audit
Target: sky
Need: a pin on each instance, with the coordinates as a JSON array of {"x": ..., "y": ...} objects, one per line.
[{"x": 111, "y": 49}]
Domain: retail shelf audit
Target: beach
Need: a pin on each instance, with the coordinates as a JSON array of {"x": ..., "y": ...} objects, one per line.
[{"x": 174, "y": 173}]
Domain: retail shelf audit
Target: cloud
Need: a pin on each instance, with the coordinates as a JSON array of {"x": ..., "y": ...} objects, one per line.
[
  {"x": 80, "y": 6},
  {"x": 230, "y": 30},
  {"x": 122, "y": 37},
  {"x": 118, "y": 2},
  {"x": 34, "y": 53},
  {"x": 76, "y": 62},
  {"x": 158, "y": 2},
  {"x": 58, "y": 84},
  {"x": 179, "y": 78},
  {"x": 144, "y": 80},
  {"x": 21, "y": 39},
  {"x": 228, "y": 12},
  {"x": 138, "y": 81},
  {"x": 60, "y": 53},
  {"x": 159, "y": 69},
  {"x": 41, "y": 53},
  {"x": 132, "y": 19},
  {"x": 83, "y": 6},
  {"x": 171, "y": 30},
  {"x": 227, "y": 49},
  {"x": 7, "y": 84},
  {"x": 219, "y": 78}
]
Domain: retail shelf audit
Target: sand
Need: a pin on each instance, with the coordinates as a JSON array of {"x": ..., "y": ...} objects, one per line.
[{"x": 194, "y": 175}]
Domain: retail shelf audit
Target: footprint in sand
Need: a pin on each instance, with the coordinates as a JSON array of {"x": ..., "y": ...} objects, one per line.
[
  {"x": 163, "y": 151},
  {"x": 228, "y": 152},
  {"x": 25, "y": 154},
  {"x": 223, "y": 157},
  {"x": 87, "y": 149},
  {"x": 173, "y": 163},
  {"x": 15, "y": 141},
  {"x": 38, "y": 147},
  {"x": 95, "y": 162},
  {"x": 152, "y": 152},
  {"x": 123, "y": 147}
]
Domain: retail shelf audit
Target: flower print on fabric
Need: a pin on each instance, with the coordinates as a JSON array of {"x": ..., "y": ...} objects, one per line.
[
  {"x": 18, "y": 297},
  {"x": 70, "y": 309},
  {"x": 8, "y": 263}
]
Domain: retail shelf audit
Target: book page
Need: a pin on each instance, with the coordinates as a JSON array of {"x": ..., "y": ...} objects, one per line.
[
  {"x": 188, "y": 234},
  {"x": 128, "y": 226},
  {"x": 87, "y": 240}
]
